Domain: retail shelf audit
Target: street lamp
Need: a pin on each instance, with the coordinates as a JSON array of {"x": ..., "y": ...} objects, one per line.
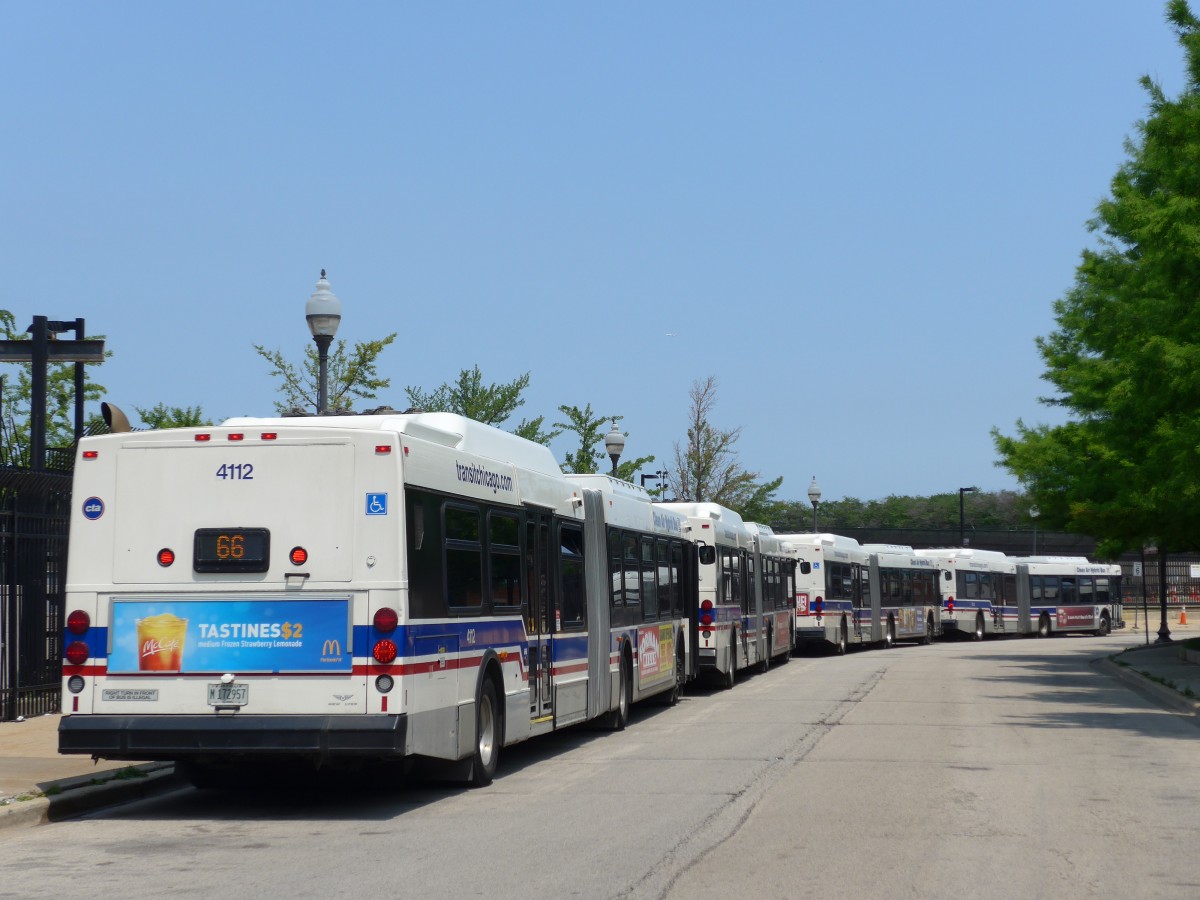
[
  {"x": 1034, "y": 512},
  {"x": 814, "y": 497},
  {"x": 614, "y": 443},
  {"x": 324, "y": 313},
  {"x": 962, "y": 521}
]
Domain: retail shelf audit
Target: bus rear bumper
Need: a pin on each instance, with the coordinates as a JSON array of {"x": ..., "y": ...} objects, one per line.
[{"x": 176, "y": 737}]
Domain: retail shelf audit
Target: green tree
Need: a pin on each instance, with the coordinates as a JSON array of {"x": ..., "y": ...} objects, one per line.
[
  {"x": 588, "y": 460},
  {"x": 351, "y": 375},
  {"x": 1125, "y": 356},
  {"x": 163, "y": 416},
  {"x": 60, "y": 401},
  {"x": 492, "y": 404},
  {"x": 707, "y": 468}
]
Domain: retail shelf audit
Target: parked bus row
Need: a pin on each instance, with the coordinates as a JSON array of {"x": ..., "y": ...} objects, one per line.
[{"x": 421, "y": 586}]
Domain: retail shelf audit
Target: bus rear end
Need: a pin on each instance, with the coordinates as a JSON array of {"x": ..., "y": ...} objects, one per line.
[{"x": 209, "y": 601}]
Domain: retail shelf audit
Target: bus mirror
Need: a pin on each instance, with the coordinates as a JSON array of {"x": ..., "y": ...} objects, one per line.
[
  {"x": 946, "y": 574},
  {"x": 708, "y": 554},
  {"x": 805, "y": 567}
]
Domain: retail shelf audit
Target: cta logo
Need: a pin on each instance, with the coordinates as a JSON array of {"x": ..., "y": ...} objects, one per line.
[{"x": 93, "y": 508}]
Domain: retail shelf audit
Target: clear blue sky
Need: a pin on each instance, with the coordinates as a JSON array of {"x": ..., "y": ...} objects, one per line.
[{"x": 855, "y": 216}]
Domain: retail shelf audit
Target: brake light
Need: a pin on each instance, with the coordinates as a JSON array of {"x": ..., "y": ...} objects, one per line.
[
  {"x": 298, "y": 556},
  {"x": 78, "y": 622},
  {"x": 386, "y": 620},
  {"x": 384, "y": 652},
  {"x": 950, "y": 604},
  {"x": 819, "y": 606},
  {"x": 166, "y": 556},
  {"x": 77, "y": 653}
]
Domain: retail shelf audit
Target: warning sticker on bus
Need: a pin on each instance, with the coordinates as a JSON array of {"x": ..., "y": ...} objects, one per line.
[{"x": 242, "y": 636}]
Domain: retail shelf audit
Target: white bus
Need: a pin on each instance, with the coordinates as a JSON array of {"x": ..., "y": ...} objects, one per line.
[
  {"x": 738, "y": 621},
  {"x": 386, "y": 586},
  {"x": 905, "y": 594},
  {"x": 977, "y": 586},
  {"x": 1066, "y": 593},
  {"x": 832, "y": 605}
]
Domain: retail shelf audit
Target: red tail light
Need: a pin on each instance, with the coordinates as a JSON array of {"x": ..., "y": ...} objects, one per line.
[
  {"x": 166, "y": 556},
  {"x": 950, "y": 604},
  {"x": 384, "y": 652},
  {"x": 298, "y": 556},
  {"x": 78, "y": 622},
  {"x": 819, "y": 606},
  {"x": 386, "y": 620},
  {"x": 77, "y": 653}
]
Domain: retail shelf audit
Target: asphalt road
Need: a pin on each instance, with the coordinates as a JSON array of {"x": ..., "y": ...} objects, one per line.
[{"x": 1012, "y": 769}]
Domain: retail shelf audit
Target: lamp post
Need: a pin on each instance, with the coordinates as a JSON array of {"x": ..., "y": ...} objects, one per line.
[
  {"x": 324, "y": 312},
  {"x": 614, "y": 443},
  {"x": 660, "y": 476},
  {"x": 962, "y": 519},
  {"x": 814, "y": 497},
  {"x": 1034, "y": 512}
]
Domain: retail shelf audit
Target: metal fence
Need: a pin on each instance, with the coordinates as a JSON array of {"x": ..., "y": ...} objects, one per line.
[{"x": 34, "y": 516}]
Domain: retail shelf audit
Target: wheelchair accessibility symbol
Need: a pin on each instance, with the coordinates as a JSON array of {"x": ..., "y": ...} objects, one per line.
[{"x": 377, "y": 504}]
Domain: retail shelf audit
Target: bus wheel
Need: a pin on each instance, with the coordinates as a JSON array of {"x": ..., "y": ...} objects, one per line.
[
  {"x": 843, "y": 639},
  {"x": 889, "y": 636},
  {"x": 487, "y": 735},
  {"x": 731, "y": 675},
  {"x": 672, "y": 696},
  {"x": 979, "y": 632},
  {"x": 929, "y": 631},
  {"x": 1043, "y": 626},
  {"x": 619, "y": 717},
  {"x": 1105, "y": 626}
]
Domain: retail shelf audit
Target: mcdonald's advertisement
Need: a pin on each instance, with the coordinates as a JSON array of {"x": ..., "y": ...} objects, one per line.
[{"x": 239, "y": 636}]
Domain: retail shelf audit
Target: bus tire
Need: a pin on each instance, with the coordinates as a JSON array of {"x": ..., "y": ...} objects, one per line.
[
  {"x": 889, "y": 636},
  {"x": 843, "y": 641},
  {"x": 731, "y": 675},
  {"x": 928, "y": 630},
  {"x": 619, "y": 717},
  {"x": 1105, "y": 625},
  {"x": 488, "y": 734},
  {"x": 979, "y": 629},
  {"x": 1043, "y": 630},
  {"x": 671, "y": 697}
]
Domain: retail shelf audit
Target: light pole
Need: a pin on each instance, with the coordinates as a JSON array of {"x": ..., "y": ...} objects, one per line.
[
  {"x": 962, "y": 519},
  {"x": 614, "y": 443},
  {"x": 324, "y": 313},
  {"x": 660, "y": 476},
  {"x": 814, "y": 497},
  {"x": 1034, "y": 512}
]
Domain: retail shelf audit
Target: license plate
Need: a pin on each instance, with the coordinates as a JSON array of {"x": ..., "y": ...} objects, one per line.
[{"x": 228, "y": 694}]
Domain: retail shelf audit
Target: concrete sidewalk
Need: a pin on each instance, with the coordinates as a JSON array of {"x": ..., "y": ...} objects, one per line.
[{"x": 38, "y": 784}]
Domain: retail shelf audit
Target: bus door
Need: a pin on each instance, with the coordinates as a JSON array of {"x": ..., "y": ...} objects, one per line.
[{"x": 539, "y": 612}]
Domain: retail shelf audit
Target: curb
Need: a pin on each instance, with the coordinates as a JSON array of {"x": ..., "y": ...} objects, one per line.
[
  {"x": 72, "y": 797},
  {"x": 1152, "y": 690}
]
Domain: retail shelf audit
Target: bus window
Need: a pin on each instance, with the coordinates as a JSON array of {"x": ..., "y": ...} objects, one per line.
[
  {"x": 573, "y": 604},
  {"x": 504, "y": 559},
  {"x": 1068, "y": 595},
  {"x": 464, "y": 557},
  {"x": 616, "y": 574},
  {"x": 649, "y": 581}
]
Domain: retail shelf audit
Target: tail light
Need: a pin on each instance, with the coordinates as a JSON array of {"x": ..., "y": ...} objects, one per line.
[
  {"x": 166, "y": 557},
  {"x": 384, "y": 652},
  {"x": 386, "y": 620},
  {"x": 819, "y": 605},
  {"x": 77, "y": 653},
  {"x": 949, "y": 604},
  {"x": 706, "y": 612},
  {"x": 78, "y": 622}
]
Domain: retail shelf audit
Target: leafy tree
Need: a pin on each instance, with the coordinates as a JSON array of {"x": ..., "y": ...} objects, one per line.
[
  {"x": 351, "y": 375},
  {"x": 162, "y": 416},
  {"x": 17, "y": 393},
  {"x": 588, "y": 460},
  {"x": 707, "y": 470},
  {"x": 1125, "y": 356},
  {"x": 491, "y": 404}
]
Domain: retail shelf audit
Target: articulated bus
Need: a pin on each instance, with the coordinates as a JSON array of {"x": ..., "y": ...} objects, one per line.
[
  {"x": 1065, "y": 594},
  {"x": 833, "y": 602},
  {"x": 385, "y": 586},
  {"x": 977, "y": 586},
  {"x": 905, "y": 594},
  {"x": 738, "y": 621}
]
